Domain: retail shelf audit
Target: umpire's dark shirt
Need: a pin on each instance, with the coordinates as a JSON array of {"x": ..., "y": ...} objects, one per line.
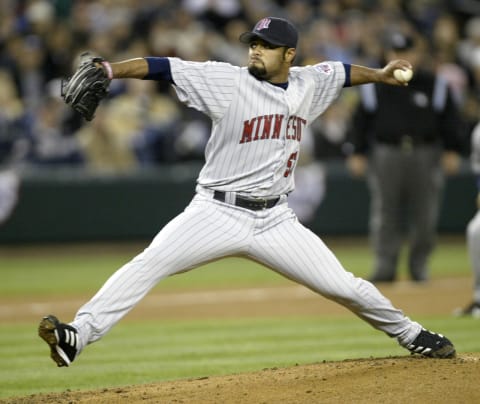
[{"x": 424, "y": 111}]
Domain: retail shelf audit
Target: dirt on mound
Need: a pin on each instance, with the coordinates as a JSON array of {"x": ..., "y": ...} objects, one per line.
[{"x": 384, "y": 380}]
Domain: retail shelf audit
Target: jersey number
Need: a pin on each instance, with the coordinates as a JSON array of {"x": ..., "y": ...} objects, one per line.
[{"x": 290, "y": 164}]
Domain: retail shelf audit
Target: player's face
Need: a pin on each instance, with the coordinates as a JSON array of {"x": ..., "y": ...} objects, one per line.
[{"x": 269, "y": 62}]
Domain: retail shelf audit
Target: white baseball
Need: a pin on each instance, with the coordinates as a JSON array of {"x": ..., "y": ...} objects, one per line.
[{"x": 403, "y": 75}]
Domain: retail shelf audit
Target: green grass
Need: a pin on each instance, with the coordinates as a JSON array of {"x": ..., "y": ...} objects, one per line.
[
  {"x": 152, "y": 351},
  {"x": 83, "y": 270}
]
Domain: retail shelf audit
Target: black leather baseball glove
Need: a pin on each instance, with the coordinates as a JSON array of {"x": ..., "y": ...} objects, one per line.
[{"x": 87, "y": 87}]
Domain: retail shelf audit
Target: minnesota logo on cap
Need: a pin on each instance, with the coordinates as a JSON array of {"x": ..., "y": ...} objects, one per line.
[
  {"x": 274, "y": 30},
  {"x": 263, "y": 24}
]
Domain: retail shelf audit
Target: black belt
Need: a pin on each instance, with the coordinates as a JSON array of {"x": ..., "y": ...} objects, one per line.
[{"x": 252, "y": 204}]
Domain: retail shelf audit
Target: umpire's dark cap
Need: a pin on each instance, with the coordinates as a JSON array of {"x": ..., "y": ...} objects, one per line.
[
  {"x": 274, "y": 30},
  {"x": 399, "y": 42}
]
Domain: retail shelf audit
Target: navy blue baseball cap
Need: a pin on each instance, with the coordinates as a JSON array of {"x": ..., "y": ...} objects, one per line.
[{"x": 274, "y": 30}]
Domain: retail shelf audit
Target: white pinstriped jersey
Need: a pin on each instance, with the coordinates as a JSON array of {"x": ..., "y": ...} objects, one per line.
[{"x": 257, "y": 126}]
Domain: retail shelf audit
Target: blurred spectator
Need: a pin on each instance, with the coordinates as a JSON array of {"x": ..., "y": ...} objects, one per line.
[
  {"x": 299, "y": 12},
  {"x": 13, "y": 145},
  {"x": 191, "y": 137},
  {"x": 50, "y": 145},
  {"x": 105, "y": 150},
  {"x": 180, "y": 36},
  {"x": 157, "y": 118},
  {"x": 445, "y": 38},
  {"x": 135, "y": 127},
  {"x": 403, "y": 135},
  {"x": 227, "y": 47},
  {"x": 330, "y": 130},
  {"x": 29, "y": 56},
  {"x": 40, "y": 38},
  {"x": 40, "y": 17},
  {"x": 423, "y": 13},
  {"x": 216, "y": 13},
  {"x": 470, "y": 41},
  {"x": 58, "y": 57}
]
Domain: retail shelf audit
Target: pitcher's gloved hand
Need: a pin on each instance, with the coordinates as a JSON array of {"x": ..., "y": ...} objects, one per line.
[{"x": 88, "y": 85}]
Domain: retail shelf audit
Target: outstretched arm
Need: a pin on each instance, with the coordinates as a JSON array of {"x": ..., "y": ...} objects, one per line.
[
  {"x": 148, "y": 68},
  {"x": 90, "y": 82},
  {"x": 130, "y": 69},
  {"x": 364, "y": 75}
]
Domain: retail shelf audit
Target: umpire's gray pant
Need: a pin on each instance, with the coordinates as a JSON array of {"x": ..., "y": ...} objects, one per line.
[{"x": 406, "y": 186}]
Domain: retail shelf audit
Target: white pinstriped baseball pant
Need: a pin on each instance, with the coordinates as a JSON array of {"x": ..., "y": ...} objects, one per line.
[{"x": 208, "y": 230}]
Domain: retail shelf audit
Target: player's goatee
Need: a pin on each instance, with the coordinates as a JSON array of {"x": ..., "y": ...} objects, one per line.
[{"x": 258, "y": 72}]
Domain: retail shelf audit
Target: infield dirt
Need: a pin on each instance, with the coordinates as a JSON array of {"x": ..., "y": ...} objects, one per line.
[{"x": 384, "y": 380}]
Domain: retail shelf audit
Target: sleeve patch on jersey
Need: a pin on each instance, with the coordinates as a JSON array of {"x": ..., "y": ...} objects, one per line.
[{"x": 324, "y": 68}]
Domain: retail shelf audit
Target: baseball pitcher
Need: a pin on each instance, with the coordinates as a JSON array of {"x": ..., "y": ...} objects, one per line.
[{"x": 259, "y": 114}]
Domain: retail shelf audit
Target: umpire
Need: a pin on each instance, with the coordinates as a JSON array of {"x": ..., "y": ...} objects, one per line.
[{"x": 405, "y": 138}]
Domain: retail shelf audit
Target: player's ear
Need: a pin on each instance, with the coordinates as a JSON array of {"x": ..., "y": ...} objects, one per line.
[{"x": 290, "y": 54}]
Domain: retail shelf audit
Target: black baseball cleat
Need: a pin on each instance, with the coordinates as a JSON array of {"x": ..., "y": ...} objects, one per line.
[
  {"x": 61, "y": 338},
  {"x": 433, "y": 345}
]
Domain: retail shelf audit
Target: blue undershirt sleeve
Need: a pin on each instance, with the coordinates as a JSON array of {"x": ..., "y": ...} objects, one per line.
[
  {"x": 159, "y": 69},
  {"x": 347, "y": 75}
]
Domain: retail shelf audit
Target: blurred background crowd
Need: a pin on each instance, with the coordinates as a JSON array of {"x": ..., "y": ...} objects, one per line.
[{"x": 142, "y": 124}]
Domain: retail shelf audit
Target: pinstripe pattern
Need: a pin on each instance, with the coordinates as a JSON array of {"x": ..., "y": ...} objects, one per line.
[
  {"x": 205, "y": 231},
  {"x": 208, "y": 230},
  {"x": 230, "y": 96},
  {"x": 295, "y": 252},
  {"x": 252, "y": 151}
]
